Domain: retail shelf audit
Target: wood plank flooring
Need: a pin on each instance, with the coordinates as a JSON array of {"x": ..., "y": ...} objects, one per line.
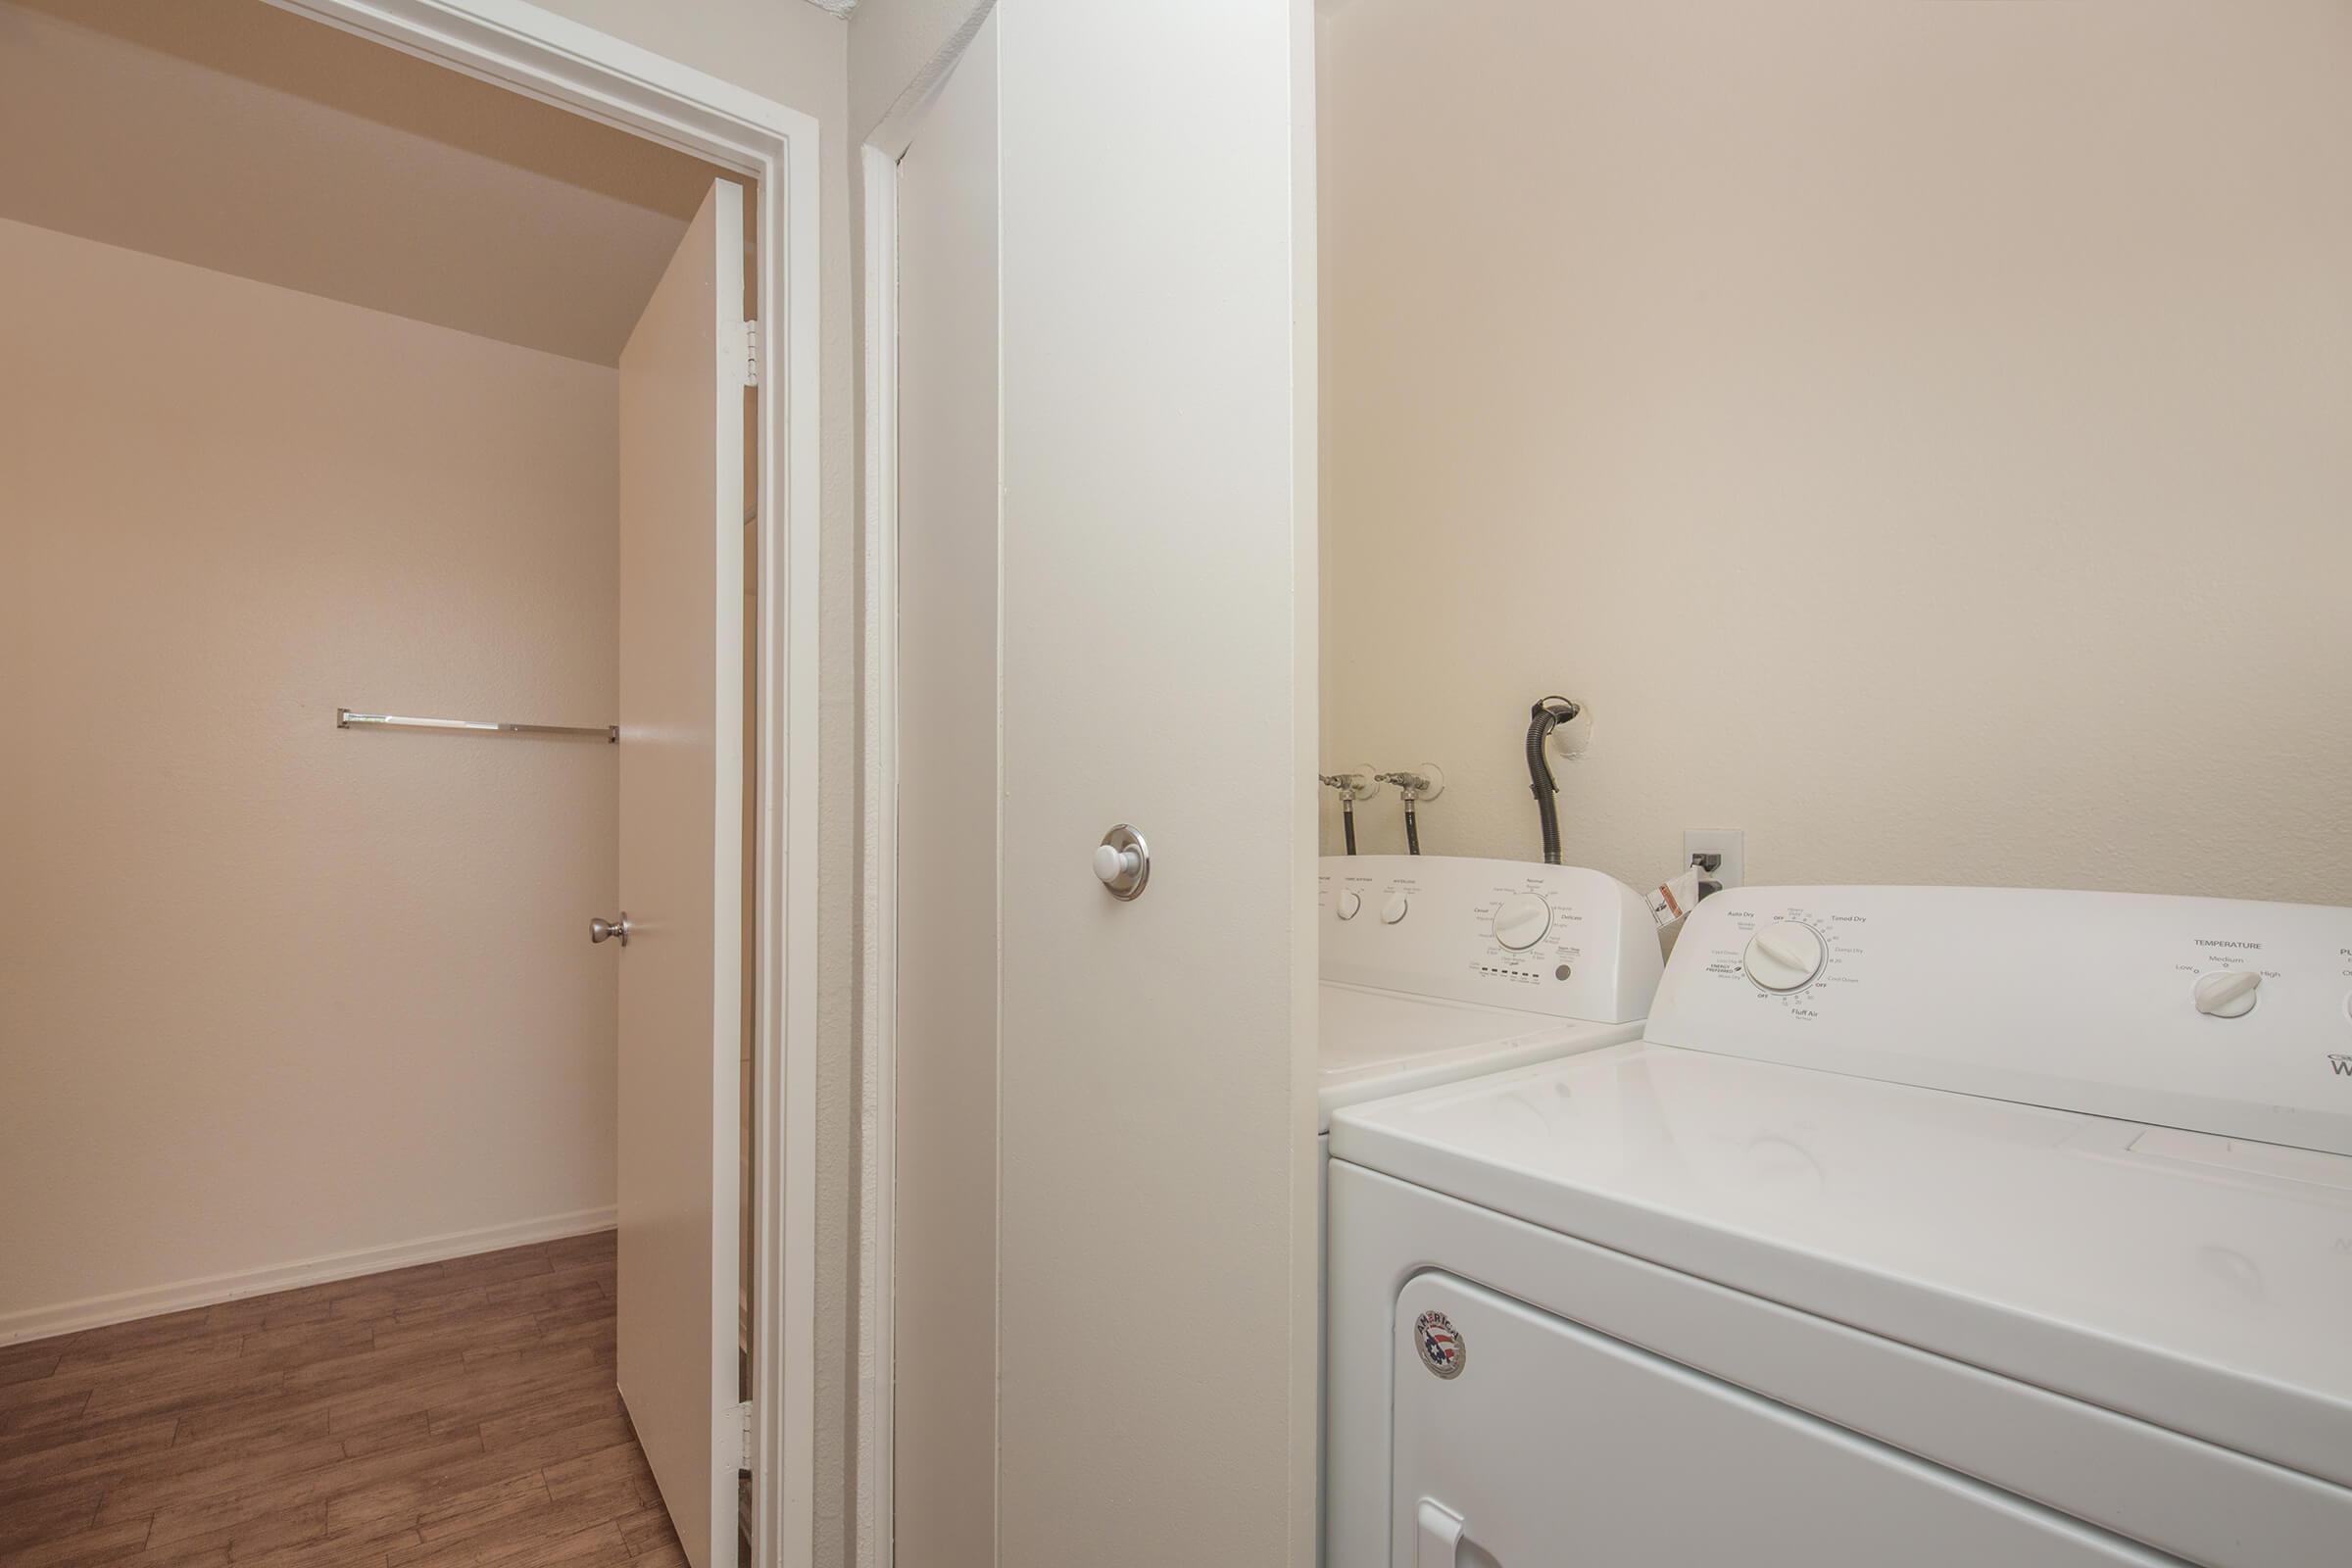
[{"x": 453, "y": 1415}]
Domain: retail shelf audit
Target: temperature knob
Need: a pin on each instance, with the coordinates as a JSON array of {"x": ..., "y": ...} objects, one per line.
[
  {"x": 1393, "y": 907},
  {"x": 1521, "y": 921},
  {"x": 2226, "y": 992},
  {"x": 1784, "y": 956},
  {"x": 1352, "y": 903}
]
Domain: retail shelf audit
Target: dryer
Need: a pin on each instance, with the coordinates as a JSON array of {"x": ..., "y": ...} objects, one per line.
[{"x": 1941, "y": 1226}]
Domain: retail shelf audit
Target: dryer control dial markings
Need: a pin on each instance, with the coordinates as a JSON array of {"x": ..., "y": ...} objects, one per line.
[{"x": 1786, "y": 956}]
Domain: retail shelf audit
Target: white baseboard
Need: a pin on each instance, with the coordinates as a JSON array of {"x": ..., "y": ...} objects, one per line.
[{"x": 123, "y": 1307}]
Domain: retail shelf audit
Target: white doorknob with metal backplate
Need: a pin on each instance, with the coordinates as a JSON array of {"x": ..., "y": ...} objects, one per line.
[{"x": 1123, "y": 861}]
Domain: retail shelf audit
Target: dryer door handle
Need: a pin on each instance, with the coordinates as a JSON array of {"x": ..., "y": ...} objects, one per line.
[{"x": 1440, "y": 1532}]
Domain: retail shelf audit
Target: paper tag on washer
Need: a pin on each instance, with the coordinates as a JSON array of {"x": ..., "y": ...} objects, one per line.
[{"x": 1675, "y": 897}]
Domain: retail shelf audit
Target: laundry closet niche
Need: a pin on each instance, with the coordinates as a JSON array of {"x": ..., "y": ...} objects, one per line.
[
  {"x": 312, "y": 397},
  {"x": 1915, "y": 431}
]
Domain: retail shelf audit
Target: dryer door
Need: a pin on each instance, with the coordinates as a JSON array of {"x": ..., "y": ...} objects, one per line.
[{"x": 1524, "y": 1441}]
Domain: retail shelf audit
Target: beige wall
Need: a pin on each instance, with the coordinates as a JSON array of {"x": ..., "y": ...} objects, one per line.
[
  {"x": 272, "y": 990},
  {"x": 1918, "y": 430},
  {"x": 900, "y": 50},
  {"x": 319, "y": 125}
]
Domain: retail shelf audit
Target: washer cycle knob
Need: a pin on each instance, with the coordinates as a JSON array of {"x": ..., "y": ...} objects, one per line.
[
  {"x": 1393, "y": 907},
  {"x": 1785, "y": 955},
  {"x": 1521, "y": 921},
  {"x": 2226, "y": 992}
]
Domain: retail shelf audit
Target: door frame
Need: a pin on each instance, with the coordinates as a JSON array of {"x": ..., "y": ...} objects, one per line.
[
  {"x": 521, "y": 47},
  {"x": 878, "y": 330},
  {"x": 878, "y": 1089}
]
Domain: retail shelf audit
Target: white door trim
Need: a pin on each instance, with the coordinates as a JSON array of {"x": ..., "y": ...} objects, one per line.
[
  {"x": 879, "y": 328},
  {"x": 548, "y": 57},
  {"x": 879, "y": 1088}
]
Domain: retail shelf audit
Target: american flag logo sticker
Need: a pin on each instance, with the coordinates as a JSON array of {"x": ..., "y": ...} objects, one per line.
[{"x": 1440, "y": 1345}]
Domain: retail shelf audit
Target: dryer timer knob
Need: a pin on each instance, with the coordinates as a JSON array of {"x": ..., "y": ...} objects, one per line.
[
  {"x": 1785, "y": 955},
  {"x": 1393, "y": 908}
]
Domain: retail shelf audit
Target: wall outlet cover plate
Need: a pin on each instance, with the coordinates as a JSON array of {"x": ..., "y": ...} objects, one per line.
[{"x": 1728, "y": 842}]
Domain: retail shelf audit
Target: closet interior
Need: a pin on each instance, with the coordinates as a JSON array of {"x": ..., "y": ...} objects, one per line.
[{"x": 315, "y": 363}]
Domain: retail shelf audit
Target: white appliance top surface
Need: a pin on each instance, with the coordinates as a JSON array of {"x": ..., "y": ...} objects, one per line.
[
  {"x": 2196, "y": 1281},
  {"x": 1373, "y": 1043}
]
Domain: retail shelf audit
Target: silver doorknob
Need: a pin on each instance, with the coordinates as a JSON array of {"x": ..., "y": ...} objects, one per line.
[
  {"x": 598, "y": 930},
  {"x": 1123, "y": 861}
]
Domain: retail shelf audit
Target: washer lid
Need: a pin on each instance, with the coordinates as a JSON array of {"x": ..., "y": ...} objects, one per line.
[
  {"x": 1373, "y": 1043},
  {"x": 2197, "y": 1282}
]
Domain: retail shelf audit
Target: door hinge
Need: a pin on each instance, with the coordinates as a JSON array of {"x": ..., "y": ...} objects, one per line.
[
  {"x": 751, "y": 354},
  {"x": 742, "y": 1433}
]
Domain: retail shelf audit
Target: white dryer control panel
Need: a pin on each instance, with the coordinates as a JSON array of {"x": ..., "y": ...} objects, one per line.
[
  {"x": 1558, "y": 940},
  {"x": 2219, "y": 1015}
]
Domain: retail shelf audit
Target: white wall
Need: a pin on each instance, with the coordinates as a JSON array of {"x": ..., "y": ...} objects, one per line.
[
  {"x": 1918, "y": 430},
  {"x": 272, "y": 990}
]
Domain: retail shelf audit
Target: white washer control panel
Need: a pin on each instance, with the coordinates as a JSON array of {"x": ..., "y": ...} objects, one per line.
[
  {"x": 2226, "y": 1017},
  {"x": 1558, "y": 940}
]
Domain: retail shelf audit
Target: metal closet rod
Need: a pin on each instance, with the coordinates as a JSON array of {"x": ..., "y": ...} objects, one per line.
[{"x": 345, "y": 718}]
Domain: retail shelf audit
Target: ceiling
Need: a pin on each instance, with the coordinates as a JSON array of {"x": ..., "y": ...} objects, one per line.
[{"x": 235, "y": 136}]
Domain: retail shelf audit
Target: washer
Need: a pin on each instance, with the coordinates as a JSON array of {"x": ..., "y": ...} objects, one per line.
[
  {"x": 1933, "y": 1225},
  {"x": 1437, "y": 968}
]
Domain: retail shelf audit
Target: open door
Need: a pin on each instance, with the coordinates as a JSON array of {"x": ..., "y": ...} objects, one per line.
[{"x": 681, "y": 874}]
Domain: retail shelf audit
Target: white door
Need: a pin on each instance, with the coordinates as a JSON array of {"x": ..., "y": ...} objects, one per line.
[
  {"x": 681, "y": 874},
  {"x": 944, "y": 1333},
  {"x": 1157, "y": 1309},
  {"x": 1547, "y": 1443}
]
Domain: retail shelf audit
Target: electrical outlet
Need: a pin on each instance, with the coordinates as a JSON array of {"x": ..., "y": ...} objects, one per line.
[{"x": 1731, "y": 843}]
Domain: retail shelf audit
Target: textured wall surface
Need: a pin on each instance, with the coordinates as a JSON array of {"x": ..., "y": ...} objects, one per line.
[
  {"x": 270, "y": 990},
  {"x": 1918, "y": 431}
]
